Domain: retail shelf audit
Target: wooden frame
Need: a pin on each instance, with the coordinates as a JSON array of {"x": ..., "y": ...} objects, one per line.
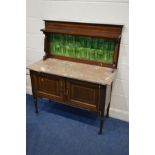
[
  {"x": 84, "y": 29},
  {"x": 77, "y": 93}
]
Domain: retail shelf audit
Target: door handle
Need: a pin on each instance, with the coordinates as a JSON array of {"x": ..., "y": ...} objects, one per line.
[{"x": 42, "y": 79}]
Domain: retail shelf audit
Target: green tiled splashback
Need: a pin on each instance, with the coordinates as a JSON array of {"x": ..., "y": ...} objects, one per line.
[{"x": 89, "y": 48}]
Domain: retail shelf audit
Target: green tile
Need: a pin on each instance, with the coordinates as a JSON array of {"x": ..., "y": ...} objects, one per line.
[{"x": 90, "y": 48}]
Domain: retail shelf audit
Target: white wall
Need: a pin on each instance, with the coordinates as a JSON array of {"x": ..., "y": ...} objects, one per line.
[{"x": 95, "y": 11}]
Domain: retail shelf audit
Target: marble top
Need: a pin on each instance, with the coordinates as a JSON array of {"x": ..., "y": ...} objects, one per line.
[{"x": 79, "y": 71}]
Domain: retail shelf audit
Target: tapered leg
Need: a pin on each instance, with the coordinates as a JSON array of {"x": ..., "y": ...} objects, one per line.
[
  {"x": 36, "y": 105},
  {"x": 101, "y": 126},
  {"x": 102, "y": 97}
]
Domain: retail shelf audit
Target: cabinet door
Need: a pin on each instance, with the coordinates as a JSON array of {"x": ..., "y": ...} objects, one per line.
[
  {"x": 83, "y": 94},
  {"x": 51, "y": 86}
]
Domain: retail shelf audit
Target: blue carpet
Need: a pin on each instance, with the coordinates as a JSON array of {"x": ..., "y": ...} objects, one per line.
[{"x": 63, "y": 130}]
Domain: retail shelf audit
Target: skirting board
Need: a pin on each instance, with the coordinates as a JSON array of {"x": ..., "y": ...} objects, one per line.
[
  {"x": 115, "y": 113},
  {"x": 119, "y": 114}
]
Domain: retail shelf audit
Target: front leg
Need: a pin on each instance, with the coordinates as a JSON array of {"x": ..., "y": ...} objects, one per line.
[
  {"x": 102, "y": 97},
  {"x": 36, "y": 105},
  {"x": 101, "y": 124}
]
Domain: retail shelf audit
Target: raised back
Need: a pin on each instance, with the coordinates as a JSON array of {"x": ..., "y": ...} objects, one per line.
[{"x": 63, "y": 36}]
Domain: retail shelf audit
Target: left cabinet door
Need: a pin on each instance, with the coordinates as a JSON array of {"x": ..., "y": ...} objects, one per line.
[{"x": 49, "y": 86}]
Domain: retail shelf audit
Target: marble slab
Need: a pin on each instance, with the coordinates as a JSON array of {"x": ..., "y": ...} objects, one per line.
[{"x": 79, "y": 71}]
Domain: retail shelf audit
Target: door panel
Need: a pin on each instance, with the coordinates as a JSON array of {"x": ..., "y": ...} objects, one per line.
[
  {"x": 51, "y": 87},
  {"x": 83, "y": 94},
  {"x": 68, "y": 91}
]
